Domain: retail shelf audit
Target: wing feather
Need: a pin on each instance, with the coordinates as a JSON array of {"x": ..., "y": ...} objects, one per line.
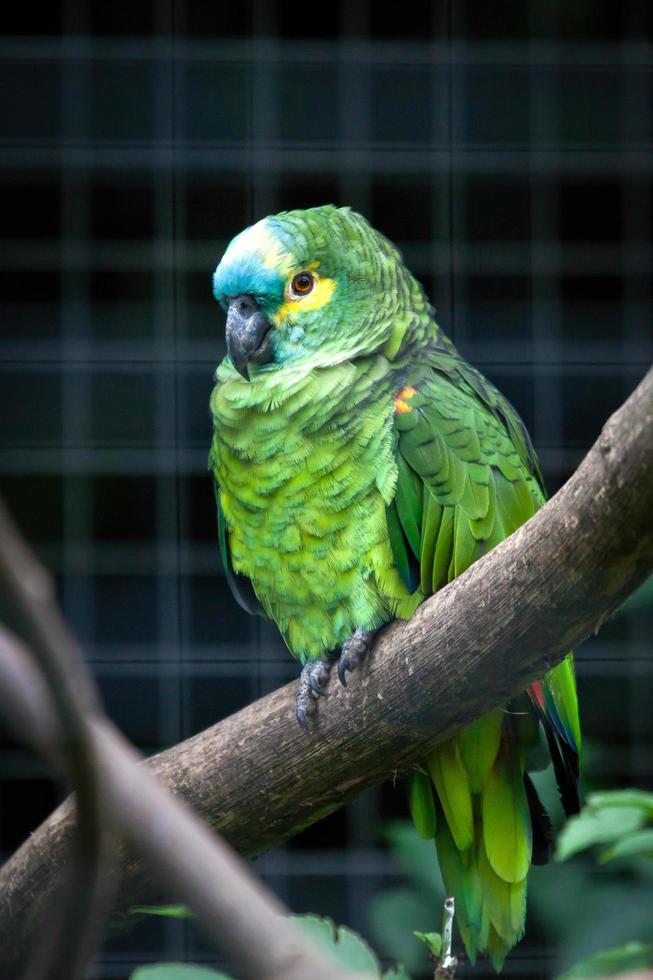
[{"x": 480, "y": 480}]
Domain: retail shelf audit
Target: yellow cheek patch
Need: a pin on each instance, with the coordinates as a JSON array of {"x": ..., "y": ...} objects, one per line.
[
  {"x": 402, "y": 399},
  {"x": 318, "y": 297}
]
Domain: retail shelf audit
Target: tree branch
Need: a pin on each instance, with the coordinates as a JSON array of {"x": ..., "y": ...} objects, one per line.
[
  {"x": 258, "y": 779},
  {"x": 446, "y": 966},
  {"x": 236, "y": 913},
  {"x": 76, "y": 908}
]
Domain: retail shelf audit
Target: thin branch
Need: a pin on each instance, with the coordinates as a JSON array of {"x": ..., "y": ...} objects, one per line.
[
  {"x": 236, "y": 913},
  {"x": 446, "y": 968},
  {"x": 258, "y": 779},
  {"x": 76, "y": 909}
]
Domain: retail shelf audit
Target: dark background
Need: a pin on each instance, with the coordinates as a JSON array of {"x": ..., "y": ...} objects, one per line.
[{"x": 506, "y": 148}]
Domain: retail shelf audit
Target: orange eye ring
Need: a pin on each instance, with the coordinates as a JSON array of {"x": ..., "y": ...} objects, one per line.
[{"x": 302, "y": 283}]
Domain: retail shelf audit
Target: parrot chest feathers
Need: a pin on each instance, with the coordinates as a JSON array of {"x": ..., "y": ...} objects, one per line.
[{"x": 304, "y": 494}]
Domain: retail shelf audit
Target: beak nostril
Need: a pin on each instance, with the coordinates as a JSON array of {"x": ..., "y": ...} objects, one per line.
[
  {"x": 248, "y": 334},
  {"x": 244, "y": 305}
]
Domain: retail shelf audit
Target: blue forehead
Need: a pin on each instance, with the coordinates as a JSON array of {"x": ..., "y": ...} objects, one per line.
[
  {"x": 249, "y": 277},
  {"x": 250, "y": 266}
]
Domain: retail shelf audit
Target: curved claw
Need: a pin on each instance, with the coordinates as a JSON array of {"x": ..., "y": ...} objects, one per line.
[
  {"x": 314, "y": 675},
  {"x": 354, "y": 652},
  {"x": 316, "y": 686}
]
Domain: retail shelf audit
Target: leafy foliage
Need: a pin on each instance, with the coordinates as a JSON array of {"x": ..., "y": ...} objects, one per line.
[
  {"x": 615, "y": 818},
  {"x": 623, "y": 797},
  {"x": 577, "y": 911},
  {"x": 176, "y": 971},
  {"x": 348, "y": 947},
  {"x": 433, "y": 941},
  {"x": 616, "y": 907},
  {"x": 618, "y": 818},
  {"x": 621, "y": 959},
  {"x": 343, "y": 944},
  {"x": 633, "y": 845}
]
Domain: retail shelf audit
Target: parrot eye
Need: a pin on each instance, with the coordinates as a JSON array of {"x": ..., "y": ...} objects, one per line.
[{"x": 302, "y": 283}]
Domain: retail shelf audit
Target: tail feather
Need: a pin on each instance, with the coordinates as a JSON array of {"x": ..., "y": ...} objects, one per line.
[
  {"x": 565, "y": 768},
  {"x": 489, "y": 823},
  {"x": 487, "y": 875},
  {"x": 422, "y": 804},
  {"x": 452, "y": 786},
  {"x": 497, "y": 949},
  {"x": 480, "y": 804},
  {"x": 541, "y": 824},
  {"x": 504, "y": 900},
  {"x": 556, "y": 703},
  {"x": 478, "y": 745},
  {"x": 507, "y": 833},
  {"x": 461, "y": 879}
]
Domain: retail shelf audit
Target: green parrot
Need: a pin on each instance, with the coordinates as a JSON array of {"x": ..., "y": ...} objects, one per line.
[{"x": 360, "y": 464}]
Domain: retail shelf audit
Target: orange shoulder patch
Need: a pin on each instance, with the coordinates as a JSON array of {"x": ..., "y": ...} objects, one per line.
[{"x": 402, "y": 399}]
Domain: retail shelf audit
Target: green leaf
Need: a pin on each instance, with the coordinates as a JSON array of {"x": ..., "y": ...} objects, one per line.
[
  {"x": 170, "y": 911},
  {"x": 622, "y": 798},
  {"x": 177, "y": 971},
  {"x": 354, "y": 952},
  {"x": 433, "y": 941},
  {"x": 347, "y": 947},
  {"x": 621, "y": 959},
  {"x": 639, "y": 844},
  {"x": 597, "y": 827}
]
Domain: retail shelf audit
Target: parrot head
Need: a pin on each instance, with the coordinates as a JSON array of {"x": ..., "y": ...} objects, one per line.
[{"x": 312, "y": 287}]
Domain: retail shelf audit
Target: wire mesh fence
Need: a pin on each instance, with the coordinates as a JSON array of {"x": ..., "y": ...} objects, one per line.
[{"x": 506, "y": 149}]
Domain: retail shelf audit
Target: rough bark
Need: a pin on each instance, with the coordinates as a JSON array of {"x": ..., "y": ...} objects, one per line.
[{"x": 259, "y": 779}]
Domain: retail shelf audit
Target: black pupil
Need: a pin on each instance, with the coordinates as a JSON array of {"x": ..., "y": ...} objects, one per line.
[{"x": 302, "y": 282}]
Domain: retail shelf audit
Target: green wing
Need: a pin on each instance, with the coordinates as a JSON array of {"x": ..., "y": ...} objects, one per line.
[
  {"x": 445, "y": 359},
  {"x": 467, "y": 478},
  {"x": 463, "y": 484}
]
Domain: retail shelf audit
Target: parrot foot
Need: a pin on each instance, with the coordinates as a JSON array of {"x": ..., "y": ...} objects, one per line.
[
  {"x": 354, "y": 651},
  {"x": 311, "y": 687}
]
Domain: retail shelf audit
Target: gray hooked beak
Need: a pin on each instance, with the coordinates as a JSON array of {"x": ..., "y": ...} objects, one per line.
[{"x": 249, "y": 333}]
